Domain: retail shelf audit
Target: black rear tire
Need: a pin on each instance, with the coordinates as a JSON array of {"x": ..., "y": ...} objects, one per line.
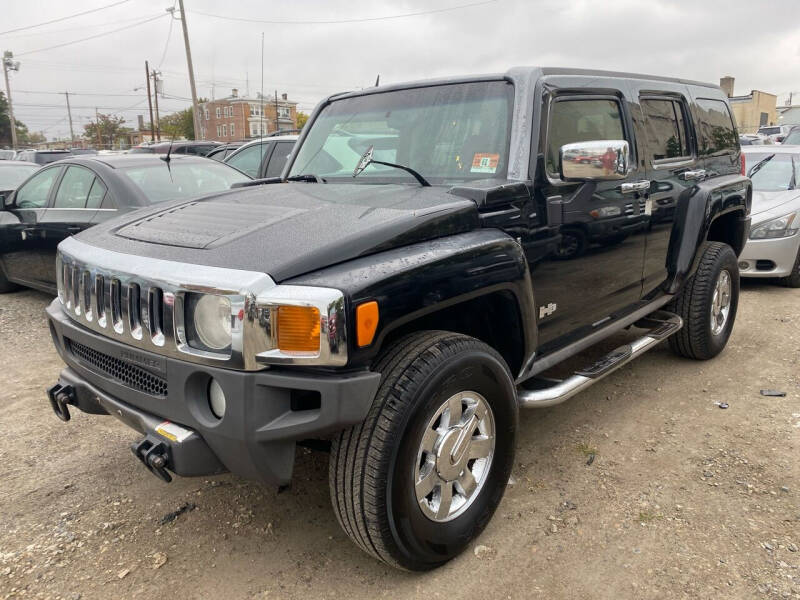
[
  {"x": 793, "y": 280},
  {"x": 373, "y": 465},
  {"x": 694, "y": 303}
]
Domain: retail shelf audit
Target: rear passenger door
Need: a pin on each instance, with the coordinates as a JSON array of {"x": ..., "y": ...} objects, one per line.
[{"x": 667, "y": 147}]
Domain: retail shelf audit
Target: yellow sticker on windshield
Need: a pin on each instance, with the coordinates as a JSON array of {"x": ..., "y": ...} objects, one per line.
[{"x": 484, "y": 163}]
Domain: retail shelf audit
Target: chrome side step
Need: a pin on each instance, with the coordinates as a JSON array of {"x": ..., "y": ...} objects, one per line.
[{"x": 662, "y": 324}]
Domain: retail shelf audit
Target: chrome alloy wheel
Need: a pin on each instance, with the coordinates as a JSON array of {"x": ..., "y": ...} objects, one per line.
[
  {"x": 721, "y": 302},
  {"x": 454, "y": 456}
]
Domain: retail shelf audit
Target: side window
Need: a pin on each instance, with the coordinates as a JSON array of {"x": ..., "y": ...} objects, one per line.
[
  {"x": 96, "y": 194},
  {"x": 581, "y": 120},
  {"x": 278, "y": 159},
  {"x": 74, "y": 188},
  {"x": 666, "y": 129},
  {"x": 716, "y": 129},
  {"x": 35, "y": 193},
  {"x": 249, "y": 159}
]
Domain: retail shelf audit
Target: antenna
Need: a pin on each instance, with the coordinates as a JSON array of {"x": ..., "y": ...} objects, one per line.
[{"x": 378, "y": 80}]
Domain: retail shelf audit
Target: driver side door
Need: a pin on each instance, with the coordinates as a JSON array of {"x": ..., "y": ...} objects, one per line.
[{"x": 23, "y": 242}]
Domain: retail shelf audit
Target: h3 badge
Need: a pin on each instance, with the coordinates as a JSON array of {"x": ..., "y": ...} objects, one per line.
[{"x": 546, "y": 311}]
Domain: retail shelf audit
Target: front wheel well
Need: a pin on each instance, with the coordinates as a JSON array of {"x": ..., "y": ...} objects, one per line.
[
  {"x": 493, "y": 318},
  {"x": 729, "y": 229}
]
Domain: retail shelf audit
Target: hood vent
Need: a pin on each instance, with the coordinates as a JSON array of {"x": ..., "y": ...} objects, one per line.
[{"x": 205, "y": 224}]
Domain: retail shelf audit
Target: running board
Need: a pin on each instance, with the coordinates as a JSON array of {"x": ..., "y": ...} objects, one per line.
[{"x": 661, "y": 324}]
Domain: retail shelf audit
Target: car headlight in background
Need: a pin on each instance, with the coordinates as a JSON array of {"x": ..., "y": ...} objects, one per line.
[
  {"x": 776, "y": 228},
  {"x": 209, "y": 319}
]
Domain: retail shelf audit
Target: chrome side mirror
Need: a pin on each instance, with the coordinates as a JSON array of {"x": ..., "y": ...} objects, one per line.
[{"x": 604, "y": 160}]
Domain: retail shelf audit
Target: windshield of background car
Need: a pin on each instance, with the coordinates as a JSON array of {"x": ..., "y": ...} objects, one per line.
[
  {"x": 780, "y": 173},
  {"x": 12, "y": 176},
  {"x": 793, "y": 138},
  {"x": 769, "y": 130},
  {"x": 447, "y": 133},
  {"x": 186, "y": 180}
]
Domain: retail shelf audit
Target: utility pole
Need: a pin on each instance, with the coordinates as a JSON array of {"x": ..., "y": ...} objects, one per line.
[
  {"x": 195, "y": 108},
  {"x": 150, "y": 102},
  {"x": 10, "y": 65},
  {"x": 277, "y": 126},
  {"x": 69, "y": 114},
  {"x": 97, "y": 129},
  {"x": 155, "y": 95}
]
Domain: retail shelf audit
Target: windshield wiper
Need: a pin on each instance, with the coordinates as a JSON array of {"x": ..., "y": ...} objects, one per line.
[
  {"x": 367, "y": 159},
  {"x": 757, "y": 167},
  {"x": 307, "y": 177}
]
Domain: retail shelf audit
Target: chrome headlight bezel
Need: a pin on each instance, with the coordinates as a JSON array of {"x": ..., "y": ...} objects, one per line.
[{"x": 776, "y": 228}]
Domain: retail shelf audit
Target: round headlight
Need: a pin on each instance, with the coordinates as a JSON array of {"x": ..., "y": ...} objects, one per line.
[
  {"x": 212, "y": 321},
  {"x": 216, "y": 399}
]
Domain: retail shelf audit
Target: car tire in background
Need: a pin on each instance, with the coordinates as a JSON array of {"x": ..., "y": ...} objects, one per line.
[
  {"x": 707, "y": 304},
  {"x": 420, "y": 478},
  {"x": 793, "y": 280}
]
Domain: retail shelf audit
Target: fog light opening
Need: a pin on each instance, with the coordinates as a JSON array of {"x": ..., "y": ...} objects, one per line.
[{"x": 216, "y": 399}]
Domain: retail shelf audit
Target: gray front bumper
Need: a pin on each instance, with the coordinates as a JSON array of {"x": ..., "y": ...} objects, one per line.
[
  {"x": 782, "y": 252},
  {"x": 267, "y": 411}
]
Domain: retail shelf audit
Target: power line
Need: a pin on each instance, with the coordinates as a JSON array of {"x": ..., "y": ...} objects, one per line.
[
  {"x": 166, "y": 44},
  {"x": 78, "y": 93},
  {"x": 92, "y": 37},
  {"x": 340, "y": 21},
  {"x": 83, "y": 28},
  {"x": 80, "y": 14}
]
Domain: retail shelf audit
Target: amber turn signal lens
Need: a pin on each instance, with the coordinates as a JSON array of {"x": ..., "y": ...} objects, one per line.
[
  {"x": 366, "y": 323},
  {"x": 298, "y": 329}
]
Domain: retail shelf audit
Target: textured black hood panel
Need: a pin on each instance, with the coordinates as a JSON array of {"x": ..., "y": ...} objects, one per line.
[{"x": 286, "y": 230}]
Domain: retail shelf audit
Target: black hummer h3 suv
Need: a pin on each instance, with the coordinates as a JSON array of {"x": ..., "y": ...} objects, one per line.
[{"x": 430, "y": 249}]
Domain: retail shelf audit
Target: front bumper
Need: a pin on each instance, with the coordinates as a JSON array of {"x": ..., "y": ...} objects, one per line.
[
  {"x": 769, "y": 258},
  {"x": 267, "y": 411}
]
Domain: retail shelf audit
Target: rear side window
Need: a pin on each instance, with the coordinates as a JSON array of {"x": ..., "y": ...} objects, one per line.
[
  {"x": 96, "y": 194},
  {"x": 278, "y": 158},
  {"x": 716, "y": 130},
  {"x": 74, "y": 188},
  {"x": 581, "y": 120},
  {"x": 666, "y": 129}
]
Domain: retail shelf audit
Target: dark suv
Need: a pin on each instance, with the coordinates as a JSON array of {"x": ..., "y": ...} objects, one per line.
[{"x": 400, "y": 290}]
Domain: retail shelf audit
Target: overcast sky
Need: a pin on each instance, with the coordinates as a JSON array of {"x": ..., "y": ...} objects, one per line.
[{"x": 758, "y": 42}]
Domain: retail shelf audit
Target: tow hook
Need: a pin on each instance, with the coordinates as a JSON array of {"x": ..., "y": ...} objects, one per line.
[
  {"x": 60, "y": 396},
  {"x": 154, "y": 455}
]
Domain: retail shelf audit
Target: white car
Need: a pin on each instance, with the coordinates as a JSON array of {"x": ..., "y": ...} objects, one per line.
[
  {"x": 773, "y": 246},
  {"x": 774, "y": 132}
]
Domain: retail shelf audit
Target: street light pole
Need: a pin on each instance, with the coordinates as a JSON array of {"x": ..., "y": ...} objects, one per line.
[
  {"x": 10, "y": 65},
  {"x": 69, "y": 114},
  {"x": 150, "y": 103},
  {"x": 195, "y": 108}
]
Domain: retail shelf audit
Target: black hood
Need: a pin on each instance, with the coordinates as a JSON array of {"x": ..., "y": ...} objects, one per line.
[{"x": 286, "y": 230}]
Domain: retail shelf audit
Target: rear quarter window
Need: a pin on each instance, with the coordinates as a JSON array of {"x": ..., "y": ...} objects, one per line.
[{"x": 716, "y": 130}]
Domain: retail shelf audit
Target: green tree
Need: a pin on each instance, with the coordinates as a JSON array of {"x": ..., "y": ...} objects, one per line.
[
  {"x": 302, "y": 119},
  {"x": 5, "y": 126},
  {"x": 178, "y": 125},
  {"x": 110, "y": 128}
]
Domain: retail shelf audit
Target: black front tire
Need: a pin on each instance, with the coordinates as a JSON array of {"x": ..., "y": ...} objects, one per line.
[
  {"x": 372, "y": 465},
  {"x": 694, "y": 303},
  {"x": 793, "y": 280}
]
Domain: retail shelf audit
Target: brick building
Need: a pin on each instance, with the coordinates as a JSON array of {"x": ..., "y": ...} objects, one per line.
[{"x": 237, "y": 118}]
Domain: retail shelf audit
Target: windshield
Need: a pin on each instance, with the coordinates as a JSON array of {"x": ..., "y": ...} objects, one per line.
[
  {"x": 769, "y": 130},
  {"x": 793, "y": 138},
  {"x": 186, "y": 181},
  {"x": 447, "y": 133},
  {"x": 780, "y": 173},
  {"x": 12, "y": 176},
  {"x": 141, "y": 150}
]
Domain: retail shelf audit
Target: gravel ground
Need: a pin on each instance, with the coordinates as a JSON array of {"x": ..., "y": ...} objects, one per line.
[{"x": 681, "y": 500}]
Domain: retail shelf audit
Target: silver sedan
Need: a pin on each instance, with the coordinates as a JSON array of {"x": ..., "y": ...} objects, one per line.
[{"x": 773, "y": 246}]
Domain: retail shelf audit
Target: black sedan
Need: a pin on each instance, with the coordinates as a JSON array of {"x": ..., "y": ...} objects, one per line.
[{"x": 66, "y": 197}]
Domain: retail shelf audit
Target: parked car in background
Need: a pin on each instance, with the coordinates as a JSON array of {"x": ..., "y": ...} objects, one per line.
[
  {"x": 8, "y": 154},
  {"x": 43, "y": 157},
  {"x": 265, "y": 157},
  {"x": 754, "y": 139},
  {"x": 83, "y": 151},
  {"x": 773, "y": 246},
  {"x": 398, "y": 290},
  {"x": 65, "y": 198},
  {"x": 222, "y": 152},
  {"x": 13, "y": 173},
  {"x": 793, "y": 137},
  {"x": 198, "y": 148},
  {"x": 776, "y": 133}
]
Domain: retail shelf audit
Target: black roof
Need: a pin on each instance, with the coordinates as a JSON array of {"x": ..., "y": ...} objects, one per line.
[{"x": 130, "y": 160}]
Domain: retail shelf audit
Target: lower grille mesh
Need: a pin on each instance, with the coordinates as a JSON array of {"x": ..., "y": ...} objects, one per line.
[{"x": 124, "y": 372}]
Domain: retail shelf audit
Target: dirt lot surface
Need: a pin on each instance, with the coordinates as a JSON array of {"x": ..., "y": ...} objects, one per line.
[{"x": 682, "y": 499}]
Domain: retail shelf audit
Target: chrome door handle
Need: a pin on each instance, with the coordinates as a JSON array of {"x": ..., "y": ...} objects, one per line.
[
  {"x": 634, "y": 186},
  {"x": 693, "y": 175}
]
